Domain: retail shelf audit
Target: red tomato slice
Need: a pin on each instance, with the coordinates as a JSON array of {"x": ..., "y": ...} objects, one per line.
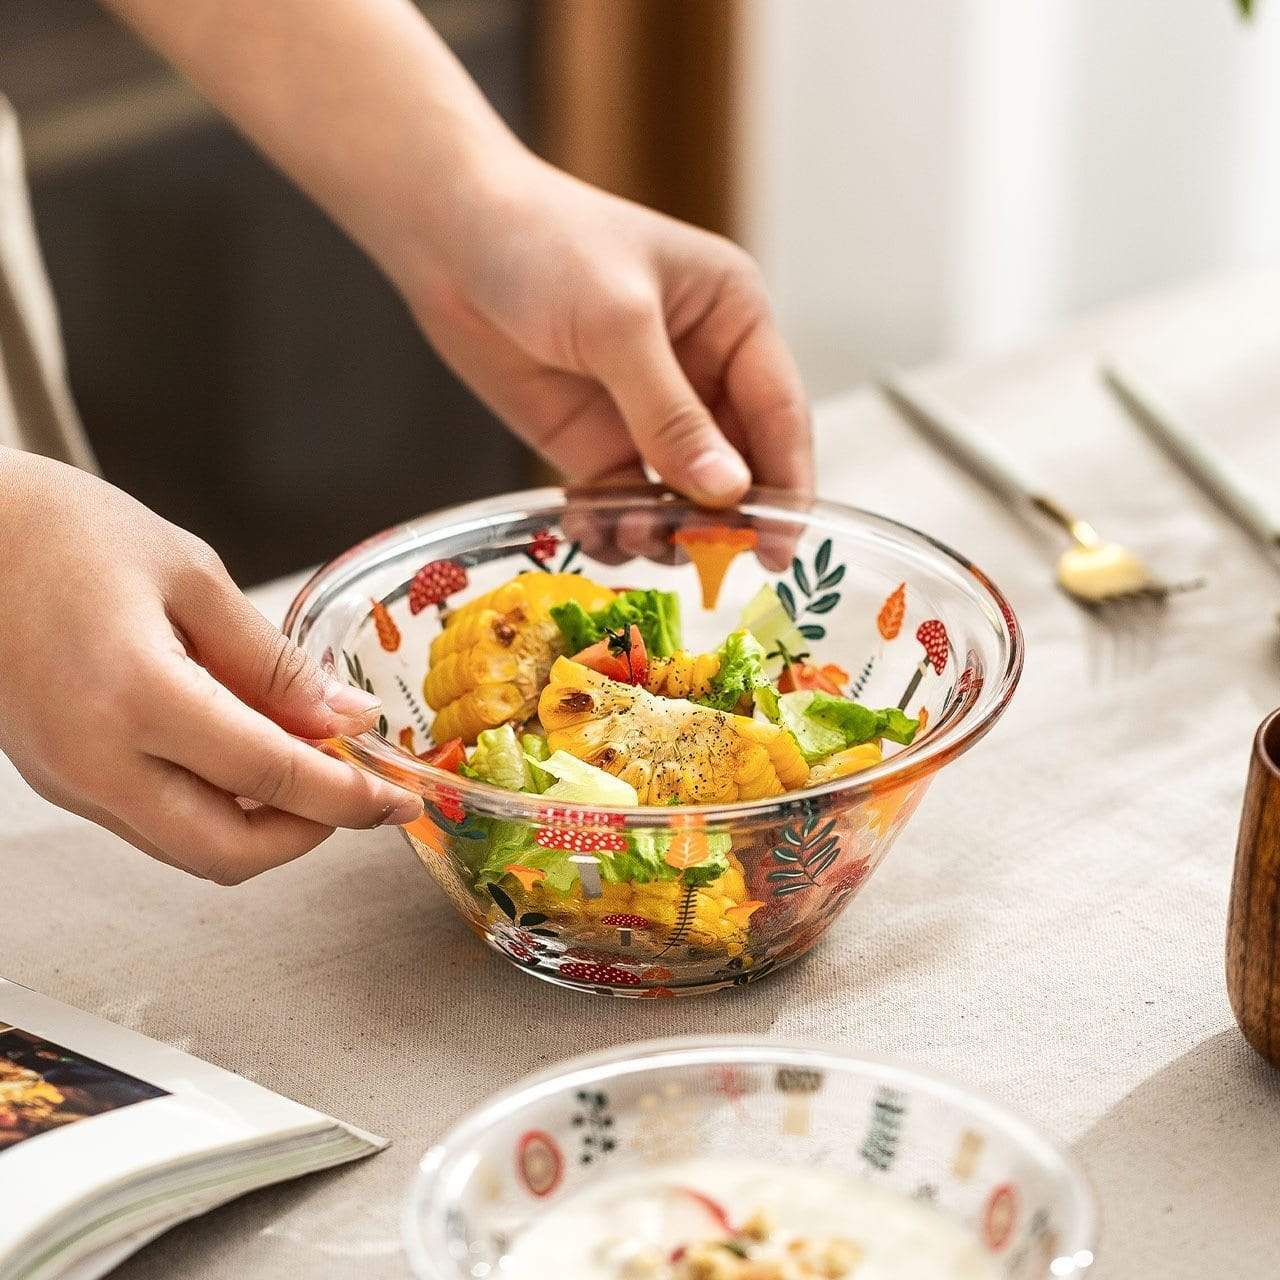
[
  {"x": 447, "y": 756},
  {"x": 807, "y": 675},
  {"x": 713, "y": 1207},
  {"x": 626, "y": 669}
]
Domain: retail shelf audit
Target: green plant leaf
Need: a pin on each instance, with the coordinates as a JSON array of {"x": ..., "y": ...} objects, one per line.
[
  {"x": 503, "y": 899},
  {"x": 823, "y": 558}
]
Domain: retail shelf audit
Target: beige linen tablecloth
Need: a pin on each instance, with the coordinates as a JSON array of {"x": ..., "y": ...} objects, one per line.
[{"x": 1050, "y": 928}]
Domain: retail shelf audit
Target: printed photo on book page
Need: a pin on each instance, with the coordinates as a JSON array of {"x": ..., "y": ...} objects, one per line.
[{"x": 46, "y": 1086}]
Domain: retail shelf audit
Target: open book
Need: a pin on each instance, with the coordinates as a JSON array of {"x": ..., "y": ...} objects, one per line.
[{"x": 108, "y": 1138}]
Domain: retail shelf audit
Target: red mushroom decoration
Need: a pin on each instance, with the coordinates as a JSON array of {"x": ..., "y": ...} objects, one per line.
[
  {"x": 580, "y": 840},
  {"x": 434, "y": 583},
  {"x": 937, "y": 649},
  {"x": 542, "y": 547},
  {"x": 582, "y": 844},
  {"x": 626, "y": 925},
  {"x": 600, "y": 975}
]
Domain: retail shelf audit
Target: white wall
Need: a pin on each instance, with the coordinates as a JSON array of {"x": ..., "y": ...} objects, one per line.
[{"x": 929, "y": 177}]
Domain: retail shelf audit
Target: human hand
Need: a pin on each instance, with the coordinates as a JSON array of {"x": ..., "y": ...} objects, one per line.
[
  {"x": 141, "y": 690},
  {"x": 608, "y": 336},
  {"x": 605, "y": 334}
]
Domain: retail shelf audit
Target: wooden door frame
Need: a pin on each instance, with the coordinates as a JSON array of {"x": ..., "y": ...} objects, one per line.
[{"x": 641, "y": 97}]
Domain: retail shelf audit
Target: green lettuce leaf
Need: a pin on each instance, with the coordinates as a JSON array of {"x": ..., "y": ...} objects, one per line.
[
  {"x": 766, "y": 617},
  {"x": 582, "y": 783},
  {"x": 507, "y": 847},
  {"x": 641, "y": 863},
  {"x": 823, "y": 724},
  {"x": 860, "y": 724},
  {"x": 656, "y": 613},
  {"x": 499, "y": 758},
  {"x": 741, "y": 672},
  {"x": 714, "y": 865},
  {"x": 536, "y": 750},
  {"x": 579, "y": 628},
  {"x": 766, "y": 699}
]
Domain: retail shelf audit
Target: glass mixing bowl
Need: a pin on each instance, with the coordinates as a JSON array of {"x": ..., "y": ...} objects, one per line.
[
  {"x": 912, "y": 622},
  {"x": 626, "y": 1111}
]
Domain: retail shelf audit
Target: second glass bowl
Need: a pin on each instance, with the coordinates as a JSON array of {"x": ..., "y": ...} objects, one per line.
[{"x": 632, "y": 1112}]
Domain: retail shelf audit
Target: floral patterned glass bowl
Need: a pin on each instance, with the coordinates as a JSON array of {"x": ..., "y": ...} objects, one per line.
[
  {"x": 913, "y": 623},
  {"x": 628, "y": 1111}
]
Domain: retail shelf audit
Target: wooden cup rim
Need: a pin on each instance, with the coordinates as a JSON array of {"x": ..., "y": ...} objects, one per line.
[{"x": 1266, "y": 746}]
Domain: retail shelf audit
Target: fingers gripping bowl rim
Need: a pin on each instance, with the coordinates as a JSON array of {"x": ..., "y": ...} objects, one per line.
[{"x": 914, "y": 623}]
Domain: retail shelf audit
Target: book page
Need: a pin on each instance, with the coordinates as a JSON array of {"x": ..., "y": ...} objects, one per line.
[{"x": 86, "y": 1105}]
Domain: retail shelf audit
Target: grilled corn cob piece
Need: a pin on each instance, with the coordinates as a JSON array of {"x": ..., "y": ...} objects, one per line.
[
  {"x": 683, "y": 675},
  {"x": 712, "y": 916},
  {"x": 491, "y": 660},
  {"x": 669, "y": 749},
  {"x": 843, "y": 763}
]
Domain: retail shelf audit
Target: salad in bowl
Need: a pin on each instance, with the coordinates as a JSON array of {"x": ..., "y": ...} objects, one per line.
[{"x": 660, "y": 750}]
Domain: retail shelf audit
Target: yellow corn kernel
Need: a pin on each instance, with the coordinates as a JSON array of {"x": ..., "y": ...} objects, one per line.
[
  {"x": 851, "y": 760},
  {"x": 683, "y": 674},
  {"x": 484, "y": 708},
  {"x": 459, "y": 673},
  {"x": 491, "y": 660}
]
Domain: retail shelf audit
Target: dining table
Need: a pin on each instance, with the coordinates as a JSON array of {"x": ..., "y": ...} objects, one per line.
[{"x": 1050, "y": 929}]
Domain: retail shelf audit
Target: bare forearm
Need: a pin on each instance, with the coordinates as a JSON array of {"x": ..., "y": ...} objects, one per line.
[{"x": 358, "y": 101}]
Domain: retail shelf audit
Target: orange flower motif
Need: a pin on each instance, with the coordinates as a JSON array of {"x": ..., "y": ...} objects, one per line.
[
  {"x": 924, "y": 720},
  {"x": 528, "y": 876},
  {"x": 406, "y": 740},
  {"x": 712, "y": 549},
  {"x": 658, "y": 993},
  {"x": 657, "y": 974},
  {"x": 428, "y": 834},
  {"x": 892, "y": 612},
  {"x": 743, "y": 912},
  {"x": 388, "y": 632},
  {"x": 687, "y": 849},
  {"x": 885, "y": 806}
]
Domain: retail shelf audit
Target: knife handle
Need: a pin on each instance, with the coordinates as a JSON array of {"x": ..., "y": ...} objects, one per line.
[
  {"x": 1199, "y": 460},
  {"x": 959, "y": 437}
]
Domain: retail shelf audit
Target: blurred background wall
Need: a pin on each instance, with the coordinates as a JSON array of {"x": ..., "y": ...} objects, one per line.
[
  {"x": 942, "y": 177},
  {"x": 919, "y": 178},
  {"x": 240, "y": 367}
]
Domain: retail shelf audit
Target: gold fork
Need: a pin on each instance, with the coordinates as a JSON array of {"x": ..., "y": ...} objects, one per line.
[{"x": 1096, "y": 573}]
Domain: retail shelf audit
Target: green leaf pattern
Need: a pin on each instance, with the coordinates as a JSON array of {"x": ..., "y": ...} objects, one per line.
[
  {"x": 809, "y": 848},
  {"x": 815, "y": 591},
  {"x": 356, "y": 671}
]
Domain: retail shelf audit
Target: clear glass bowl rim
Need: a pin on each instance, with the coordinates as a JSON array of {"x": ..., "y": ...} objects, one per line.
[
  {"x": 373, "y": 752},
  {"x": 1080, "y": 1227}
]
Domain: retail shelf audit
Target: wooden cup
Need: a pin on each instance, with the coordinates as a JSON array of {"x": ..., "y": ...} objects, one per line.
[{"x": 1253, "y": 920}]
